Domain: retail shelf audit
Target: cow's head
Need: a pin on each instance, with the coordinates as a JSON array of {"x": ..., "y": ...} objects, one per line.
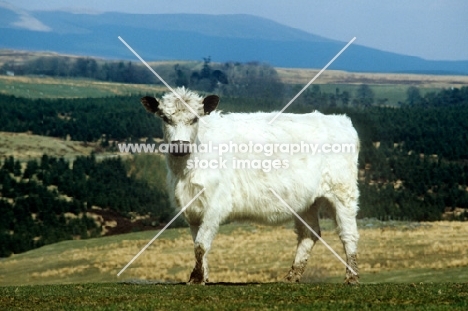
[{"x": 180, "y": 124}]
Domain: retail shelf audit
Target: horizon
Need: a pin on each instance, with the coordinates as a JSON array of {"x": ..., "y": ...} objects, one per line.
[{"x": 426, "y": 29}]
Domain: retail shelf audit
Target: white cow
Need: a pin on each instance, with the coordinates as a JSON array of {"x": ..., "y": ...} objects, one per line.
[{"x": 237, "y": 184}]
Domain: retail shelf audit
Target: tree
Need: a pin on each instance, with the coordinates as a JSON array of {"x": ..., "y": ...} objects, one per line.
[
  {"x": 365, "y": 95},
  {"x": 345, "y": 97},
  {"x": 413, "y": 96},
  {"x": 206, "y": 79},
  {"x": 205, "y": 73},
  {"x": 9, "y": 164},
  {"x": 249, "y": 80},
  {"x": 85, "y": 67},
  {"x": 181, "y": 76},
  {"x": 332, "y": 98},
  {"x": 17, "y": 168}
]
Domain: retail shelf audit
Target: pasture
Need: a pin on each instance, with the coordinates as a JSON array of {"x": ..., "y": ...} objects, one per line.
[
  {"x": 270, "y": 296},
  {"x": 47, "y": 87},
  {"x": 302, "y": 76},
  {"x": 390, "y": 86},
  {"x": 404, "y": 266},
  {"x": 25, "y": 146},
  {"x": 400, "y": 252}
]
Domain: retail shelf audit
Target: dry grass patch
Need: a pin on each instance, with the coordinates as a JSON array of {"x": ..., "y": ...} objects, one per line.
[
  {"x": 303, "y": 76},
  {"x": 26, "y": 146},
  {"x": 240, "y": 254}
]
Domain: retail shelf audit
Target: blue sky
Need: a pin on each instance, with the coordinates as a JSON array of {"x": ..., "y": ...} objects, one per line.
[{"x": 431, "y": 29}]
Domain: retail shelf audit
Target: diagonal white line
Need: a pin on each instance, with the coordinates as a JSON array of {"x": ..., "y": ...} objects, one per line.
[
  {"x": 313, "y": 79},
  {"x": 160, "y": 78},
  {"x": 160, "y": 232},
  {"x": 315, "y": 233}
]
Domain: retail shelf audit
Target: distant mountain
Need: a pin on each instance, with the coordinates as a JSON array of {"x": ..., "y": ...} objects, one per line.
[{"x": 240, "y": 38}]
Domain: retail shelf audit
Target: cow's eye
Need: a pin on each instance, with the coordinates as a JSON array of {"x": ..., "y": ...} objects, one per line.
[{"x": 194, "y": 121}]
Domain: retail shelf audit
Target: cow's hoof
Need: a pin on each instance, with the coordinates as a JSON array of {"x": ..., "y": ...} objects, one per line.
[
  {"x": 292, "y": 277},
  {"x": 197, "y": 277},
  {"x": 352, "y": 280},
  {"x": 195, "y": 282}
]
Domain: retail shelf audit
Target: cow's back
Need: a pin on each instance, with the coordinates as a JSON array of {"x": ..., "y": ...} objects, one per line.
[
  {"x": 287, "y": 128},
  {"x": 303, "y": 178}
]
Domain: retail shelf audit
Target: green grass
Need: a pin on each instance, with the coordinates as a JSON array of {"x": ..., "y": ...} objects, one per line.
[
  {"x": 394, "y": 93},
  {"x": 148, "y": 167},
  {"x": 47, "y": 87},
  {"x": 271, "y": 296},
  {"x": 412, "y": 276},
  {"x": 90, "y": 289},
  {"x": 50, "y": 257}
]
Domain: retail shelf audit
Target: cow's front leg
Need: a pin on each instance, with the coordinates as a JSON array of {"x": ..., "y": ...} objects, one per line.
[{"x": 202, "y": 236}]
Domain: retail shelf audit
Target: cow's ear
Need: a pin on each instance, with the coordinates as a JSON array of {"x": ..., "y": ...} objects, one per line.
[
  {"x": 150, "y": 104},
  {"x": 210, "y": 103}
]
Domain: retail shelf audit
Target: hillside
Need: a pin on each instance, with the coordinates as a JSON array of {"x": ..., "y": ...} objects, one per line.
[
  {"x": 240, "y": 38},
  {"x": 391, "y": 88},
  {"x": 26, "y": 146},
  {"x": 51, "y": 199},
  {"x": 389, "y": 252},
  {"x": 412, "y": 163},
  {"x": 49, "y": 87}
]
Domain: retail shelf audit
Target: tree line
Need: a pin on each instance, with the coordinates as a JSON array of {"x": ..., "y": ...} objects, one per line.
[
  {"x": 83, "y": 67},
  {"x": 230, "y": 79},
  {"x": 110, "y": 118}
]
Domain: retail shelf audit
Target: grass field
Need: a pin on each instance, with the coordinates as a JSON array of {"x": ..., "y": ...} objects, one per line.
[
  {"x": 24, "y": 146},
  {"x": 302, "y": 76},
  {"x": 388, "y": 252},
  {"x": 47, "y": 87},
  {"x": 393, "y": 93},
  {"x": 404, "y": 266},
  {"x": 389, "y": 88},
  {"x": 272, "y": 296},
  {"x": 385, "y": 86}
]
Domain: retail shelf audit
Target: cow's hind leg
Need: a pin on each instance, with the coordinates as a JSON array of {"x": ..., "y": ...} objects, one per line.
[
  {"x": 345, "y": 215},
  {"x": 202, "y": 237},
  {"x": 305, "y": 242}
]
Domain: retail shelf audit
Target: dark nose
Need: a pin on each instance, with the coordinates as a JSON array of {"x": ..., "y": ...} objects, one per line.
[{"x": 179, "y": 148}]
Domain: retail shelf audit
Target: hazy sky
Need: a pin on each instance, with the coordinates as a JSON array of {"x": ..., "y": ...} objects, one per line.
[{"x": 431, "y": 29}]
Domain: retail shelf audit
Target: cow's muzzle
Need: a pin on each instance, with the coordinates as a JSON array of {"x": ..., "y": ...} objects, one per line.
[{"x": 179, "y": 148}]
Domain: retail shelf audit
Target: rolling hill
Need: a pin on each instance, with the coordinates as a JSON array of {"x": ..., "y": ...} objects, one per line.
[
  {"x": 240, "y": 38},
  {"x": 396, "y": 252}
]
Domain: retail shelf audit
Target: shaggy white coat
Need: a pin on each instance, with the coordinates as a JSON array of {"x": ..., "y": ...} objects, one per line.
[{"x": 243, "y": 194}]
